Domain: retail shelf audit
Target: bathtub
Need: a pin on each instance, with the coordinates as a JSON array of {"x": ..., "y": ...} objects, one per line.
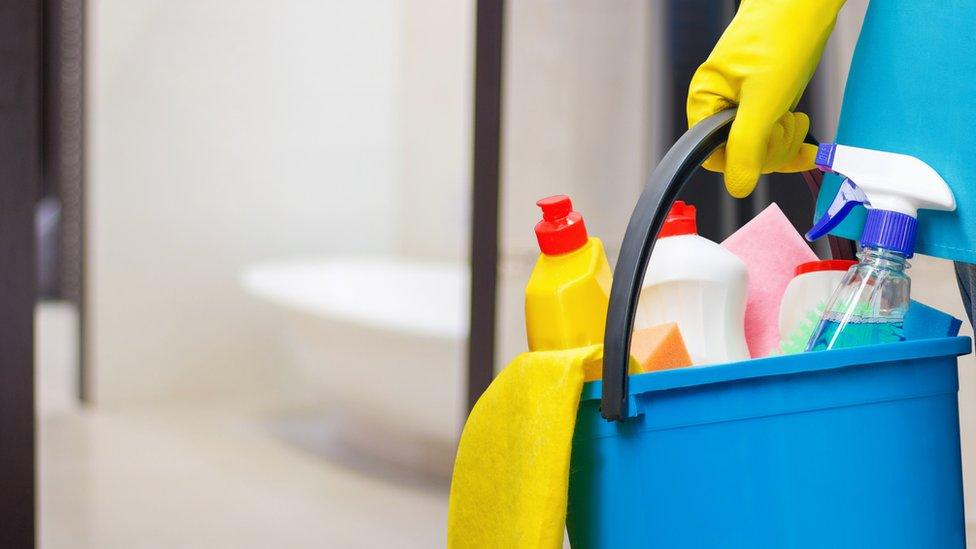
[{"x": 382, "y": 340}]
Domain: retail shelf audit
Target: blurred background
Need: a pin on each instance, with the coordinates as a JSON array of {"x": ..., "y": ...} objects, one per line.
[{"x": 256, "y": 226}]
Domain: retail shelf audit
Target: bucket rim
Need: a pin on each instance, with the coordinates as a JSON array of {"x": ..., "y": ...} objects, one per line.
[{"x": 771, "y": 366}]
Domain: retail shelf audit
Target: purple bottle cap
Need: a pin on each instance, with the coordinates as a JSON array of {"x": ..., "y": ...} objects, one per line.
[{"x": 890, "y": 230}]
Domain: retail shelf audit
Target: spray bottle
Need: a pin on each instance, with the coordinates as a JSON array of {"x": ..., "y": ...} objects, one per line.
[{"x": 869, "y": 305}]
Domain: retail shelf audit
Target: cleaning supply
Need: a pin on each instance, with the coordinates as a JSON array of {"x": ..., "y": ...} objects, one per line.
[
  {"x": 762, "y": 63},
  {"x": 659, "y": 348},
  {"x": 795, "y": 340},
  {"x": 567, "y": 294},
  {"x": 511, "y": 475},
  {"x": 698, "y": 284},
  {"x": 921, "y": 322},
  {"x": 812, "y": 285},
  {"x": 771, "y": 249},
  {"x": 870, "y": 304},
  {"x": 924, "y": 322},
  {"x": 805, "y": 299}
]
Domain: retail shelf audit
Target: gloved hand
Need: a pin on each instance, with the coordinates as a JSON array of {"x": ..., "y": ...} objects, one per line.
[{"x": 762, "y": 63}]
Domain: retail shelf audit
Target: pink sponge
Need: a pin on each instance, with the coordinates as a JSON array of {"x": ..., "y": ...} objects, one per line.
[{"x": 771, "y": 249}]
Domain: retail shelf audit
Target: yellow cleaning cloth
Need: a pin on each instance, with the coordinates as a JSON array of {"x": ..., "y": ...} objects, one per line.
[{"x": 511, "y": 474}]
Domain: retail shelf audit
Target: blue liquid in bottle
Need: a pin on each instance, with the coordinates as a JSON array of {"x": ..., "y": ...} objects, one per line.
[
  {"x": 869, "y": 306},
  {"x": 833, "y": 334}
]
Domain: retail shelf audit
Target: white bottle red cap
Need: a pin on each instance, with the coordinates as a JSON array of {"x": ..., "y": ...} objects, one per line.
[
  {"x": 823, "y": 265},
  {"x": 682, "y": 219}
]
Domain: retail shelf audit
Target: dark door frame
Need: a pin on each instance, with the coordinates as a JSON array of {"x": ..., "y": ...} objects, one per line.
[
  {"x": 20, "y": 177},
  {"x": 489, "y": 42}
]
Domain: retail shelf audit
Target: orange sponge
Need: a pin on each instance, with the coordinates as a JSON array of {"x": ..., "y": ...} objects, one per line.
[{"x": 659, "y": 347}]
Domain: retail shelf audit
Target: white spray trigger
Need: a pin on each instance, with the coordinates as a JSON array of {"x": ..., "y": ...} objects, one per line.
[
  {"x": 879, "y": 180},
  {"x": 890, "y": 181}
]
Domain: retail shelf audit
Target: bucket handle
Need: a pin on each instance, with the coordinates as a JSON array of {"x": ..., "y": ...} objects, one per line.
[{"x": 660, "y": 192}]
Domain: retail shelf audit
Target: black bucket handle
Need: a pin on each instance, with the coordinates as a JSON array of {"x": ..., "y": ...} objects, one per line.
[{"x": 663, "y": 186}]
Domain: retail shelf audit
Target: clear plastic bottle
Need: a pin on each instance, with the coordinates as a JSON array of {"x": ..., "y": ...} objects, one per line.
[{"x": 869, "y": 306}]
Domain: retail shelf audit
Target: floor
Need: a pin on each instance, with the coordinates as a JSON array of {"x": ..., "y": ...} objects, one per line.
[{"x": 234, "y": 474}]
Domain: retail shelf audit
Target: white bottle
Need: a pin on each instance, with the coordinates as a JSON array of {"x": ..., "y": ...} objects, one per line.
[
  {"x": 807, "y": 294},
  {"x": 698, "y": 284}
]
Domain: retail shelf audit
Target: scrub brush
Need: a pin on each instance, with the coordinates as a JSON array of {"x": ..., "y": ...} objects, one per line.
[{"x": 796, "y": 340}]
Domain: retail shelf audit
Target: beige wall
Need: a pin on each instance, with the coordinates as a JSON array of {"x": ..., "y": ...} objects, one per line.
[
  {"x": 435, "y": 74},
  {"x": 575, "y": 113},
  {"x": 831, "y": 76},
  {"x": 223, "y": 133}
]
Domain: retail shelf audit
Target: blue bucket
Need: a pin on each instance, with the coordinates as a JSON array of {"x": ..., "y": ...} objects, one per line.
[
  {"x": 843, "y": 448},
  {"x": 847, "y": 448}
]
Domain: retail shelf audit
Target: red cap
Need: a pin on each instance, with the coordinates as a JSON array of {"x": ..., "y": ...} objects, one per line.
[
  {"x": 681, "y": 220},
  {"x": 824, "y": 265},
  {"x": 561, "y": 229}
]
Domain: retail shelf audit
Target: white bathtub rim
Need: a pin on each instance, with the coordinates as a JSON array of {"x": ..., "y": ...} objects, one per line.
[{"x": 303, "y": 285}]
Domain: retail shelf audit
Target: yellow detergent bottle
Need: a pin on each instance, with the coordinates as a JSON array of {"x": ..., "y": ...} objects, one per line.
[{"x": 567, "y": 295}]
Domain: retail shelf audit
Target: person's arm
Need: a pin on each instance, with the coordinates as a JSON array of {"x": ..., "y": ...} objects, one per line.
[{"x": 762, "y": 63}]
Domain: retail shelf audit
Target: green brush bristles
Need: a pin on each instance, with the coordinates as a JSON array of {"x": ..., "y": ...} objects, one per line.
[{"x": 796, "y": 341}]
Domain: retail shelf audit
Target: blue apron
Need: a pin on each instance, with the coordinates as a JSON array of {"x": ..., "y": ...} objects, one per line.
[{"x": 912, "y": 90}]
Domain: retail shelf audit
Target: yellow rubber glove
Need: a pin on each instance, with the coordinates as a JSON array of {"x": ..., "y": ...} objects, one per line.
[{"x": 762, "y": 63}]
